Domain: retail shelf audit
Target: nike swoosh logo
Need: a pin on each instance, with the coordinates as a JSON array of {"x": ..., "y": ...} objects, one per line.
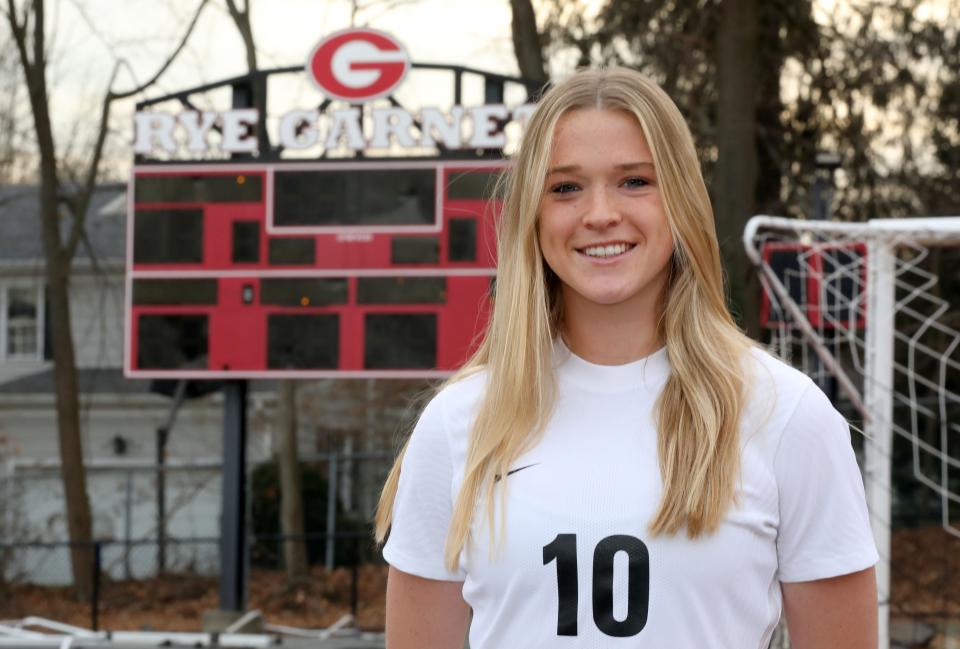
[{"x": 496, "y": 478}]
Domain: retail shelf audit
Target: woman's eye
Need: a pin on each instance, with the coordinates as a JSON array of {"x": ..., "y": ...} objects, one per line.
[
  {"x": 635, "y": 182},
  {"x": 563, "y": 188}
]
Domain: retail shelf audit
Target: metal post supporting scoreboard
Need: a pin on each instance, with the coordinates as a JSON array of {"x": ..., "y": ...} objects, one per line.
[{"x": 234, "y": 548}]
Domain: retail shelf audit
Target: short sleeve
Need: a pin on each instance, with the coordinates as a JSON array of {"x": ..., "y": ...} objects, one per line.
[
  {"x": 424, "y": 501},
  {"x": 824, "y": 526}
]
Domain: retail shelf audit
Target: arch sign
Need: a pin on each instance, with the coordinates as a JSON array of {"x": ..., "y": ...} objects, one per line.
[{"x": 353, "y": 66}]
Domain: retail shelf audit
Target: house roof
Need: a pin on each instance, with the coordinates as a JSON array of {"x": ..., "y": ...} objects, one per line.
[
  {"x": 89, "y": 380},
  {"x": 109, "y": 380},
  {"x": 21, "y": 237}
]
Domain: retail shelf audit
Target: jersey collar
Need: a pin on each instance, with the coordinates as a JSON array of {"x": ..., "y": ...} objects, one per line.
[{"x": 649, "y": 372}]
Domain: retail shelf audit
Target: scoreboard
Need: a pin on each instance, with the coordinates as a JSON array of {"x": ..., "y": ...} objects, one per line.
[{"x": 308, "y": 269}]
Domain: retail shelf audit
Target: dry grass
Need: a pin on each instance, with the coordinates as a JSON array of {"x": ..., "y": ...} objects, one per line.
[{"x": 177, "y": 602}]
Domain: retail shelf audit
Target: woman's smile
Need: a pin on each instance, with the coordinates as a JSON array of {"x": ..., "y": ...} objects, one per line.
[{"x": 606, "y": 252}]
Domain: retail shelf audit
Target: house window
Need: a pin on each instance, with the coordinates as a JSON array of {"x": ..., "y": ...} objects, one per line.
[{"x": 22, "y": 322}]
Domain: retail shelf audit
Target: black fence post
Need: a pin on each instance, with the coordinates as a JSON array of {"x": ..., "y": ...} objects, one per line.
[
  {"x": 353, "y": 580},
  {"x": 234, "y": 546},
  {"x": 95, "y": 596}
]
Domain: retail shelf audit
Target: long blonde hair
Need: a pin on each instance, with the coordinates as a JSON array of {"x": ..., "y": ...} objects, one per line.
[{"x": 699, "y": 410}]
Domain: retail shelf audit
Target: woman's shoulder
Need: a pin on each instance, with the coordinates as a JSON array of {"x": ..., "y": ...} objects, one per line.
[
  {"x": 776, "y": 391},
  {"x": 465, "y": 388},
  {"x": 455, "y": 403},
  {"x": 764, "y": 369}
]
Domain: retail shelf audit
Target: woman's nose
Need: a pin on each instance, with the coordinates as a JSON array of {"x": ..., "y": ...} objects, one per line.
[{"x": 601, "y": 211}]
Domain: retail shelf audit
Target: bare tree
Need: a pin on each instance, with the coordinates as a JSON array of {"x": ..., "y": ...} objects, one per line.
[
  {"x": 240, "y": 13},
  {"x": 527, "y": 41},
  {"x": 59, "y": 197},
  {"x": 11, "y": 128},
  {"x": 384, "y": 6}
]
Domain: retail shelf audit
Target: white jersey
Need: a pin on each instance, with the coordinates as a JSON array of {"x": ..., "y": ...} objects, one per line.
[{"x": 577, "y": 567}]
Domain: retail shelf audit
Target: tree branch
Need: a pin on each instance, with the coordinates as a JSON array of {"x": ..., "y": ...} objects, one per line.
[
  {"x": 81, "y": 203},
  {"x": 241, "y": 18},
  {"x": 385, "y": 7},
  {"x": 39, "y": 56},
  {"x": 19, "y": 30},
  {"x": 11, "y": 15},
  {"x": 167, "y": 63}
]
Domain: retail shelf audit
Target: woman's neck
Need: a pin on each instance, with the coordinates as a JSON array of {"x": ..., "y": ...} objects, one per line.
[{"x": 610, "y": 334}]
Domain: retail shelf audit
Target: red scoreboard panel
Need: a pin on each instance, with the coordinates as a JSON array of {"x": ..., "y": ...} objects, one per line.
[
  {"x": 827, "y": 280},
  {"x": 365, "y": 269}
]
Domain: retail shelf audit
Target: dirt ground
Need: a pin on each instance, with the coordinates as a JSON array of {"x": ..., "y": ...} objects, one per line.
[
  {"x": 926, "y": 586},
  {"x": 177, "y": 602},
  {"x": 925, "y": 574}
]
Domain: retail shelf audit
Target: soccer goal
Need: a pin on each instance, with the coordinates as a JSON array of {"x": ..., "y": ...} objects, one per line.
[{"x": 864, "y": 309}]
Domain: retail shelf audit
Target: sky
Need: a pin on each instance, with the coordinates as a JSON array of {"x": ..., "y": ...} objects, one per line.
[{"x": 89, "y": 36}]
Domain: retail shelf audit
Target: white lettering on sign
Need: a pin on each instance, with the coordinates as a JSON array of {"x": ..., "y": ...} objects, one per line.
[
  {"x": 239, "y": 131},
  {"x": 521, "y": 114},
  {"x": 344, "y": 63},
  {"x": 488, "y": 123},
  {"x": 303, "y": 129},
  {"x": 298, "y": 129},
  {"x": 346, "y": 122},
  {"x": 392, "y": 121},
  {"x": 152, "y": 129},
  {"x": 433, "y": 121},
  {"x": 197, "y": 125},
  {"x": 361, "y": 237}
]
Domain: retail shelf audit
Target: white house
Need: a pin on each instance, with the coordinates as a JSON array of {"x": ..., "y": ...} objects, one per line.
[{"x": 120, "y": 416}]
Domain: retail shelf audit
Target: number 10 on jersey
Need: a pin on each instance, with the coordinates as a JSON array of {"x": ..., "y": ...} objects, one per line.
[{"x": 563, "y": 549}]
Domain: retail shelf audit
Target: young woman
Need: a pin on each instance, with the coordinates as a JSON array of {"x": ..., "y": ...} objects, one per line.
[{"x": 617, "y": 465}]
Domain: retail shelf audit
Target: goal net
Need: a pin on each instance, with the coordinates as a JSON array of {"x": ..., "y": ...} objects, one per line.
[{"x": 864, "y": 309}]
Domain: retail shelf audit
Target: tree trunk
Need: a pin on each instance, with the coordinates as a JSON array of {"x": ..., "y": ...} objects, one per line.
[
  {"x": 57, "y": 273},
  {"x": 736, "y": 170},
  {"x": 59, "y": 258},
  {"x": 291, "y": 500},
  {"x": 72, "y": 469},
  {"x": 527, "y": 41},
  {"x": 258, "y": 85}
]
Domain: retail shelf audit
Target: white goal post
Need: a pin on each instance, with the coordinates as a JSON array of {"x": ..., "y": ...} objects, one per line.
[{"x": 856, "y": 306}]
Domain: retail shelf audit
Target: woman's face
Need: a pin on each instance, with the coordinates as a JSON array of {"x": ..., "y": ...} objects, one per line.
[{"x": 601, "y": 226}]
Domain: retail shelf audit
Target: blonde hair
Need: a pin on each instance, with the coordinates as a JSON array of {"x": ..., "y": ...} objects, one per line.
[{"x": 699, "y": 410}]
